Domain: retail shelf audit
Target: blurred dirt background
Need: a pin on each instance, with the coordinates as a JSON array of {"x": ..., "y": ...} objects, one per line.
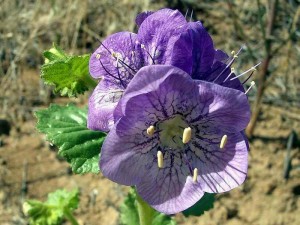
[{"x": 29, "y": 167}]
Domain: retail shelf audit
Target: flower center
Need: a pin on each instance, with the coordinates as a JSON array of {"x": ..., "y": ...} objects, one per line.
[{"x": 171, "y": 131}]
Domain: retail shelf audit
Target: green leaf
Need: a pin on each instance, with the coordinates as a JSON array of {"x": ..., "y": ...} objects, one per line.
[
  {"x": 54, "y": 53},
  {"x": 69, "y": 74},
  {"x": 204, "y": 204},
  {"x": 65, "y": 127},
  {"x": 129, "y": 212},
  {"x": 52, "y": 211}
]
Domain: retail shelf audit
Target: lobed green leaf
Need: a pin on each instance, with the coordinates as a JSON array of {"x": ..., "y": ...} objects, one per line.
[
  {"x": 65, "y": 127},
  {"x": 69, "y": 74}
]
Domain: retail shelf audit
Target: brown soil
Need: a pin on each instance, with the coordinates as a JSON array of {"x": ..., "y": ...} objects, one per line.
[{"x": 30, "y": 169}]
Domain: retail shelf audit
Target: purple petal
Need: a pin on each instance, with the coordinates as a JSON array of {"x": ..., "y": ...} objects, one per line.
[
  {"x": 150, "y": 77},
  {"x": 158, "y": 34},
  {"x": 169, "y": 190},
  {"x": 220, "y": 170},
  {"x": 203, "y": 49},
  {"x": 102, "y": 103},
  {"x": 117, "y": 59},
  {"x": 123, "y": 159},
  {"x": 141, "y": 17},
  {"x": 226, "y": 108},
  {"x": 220, "y": 56}
]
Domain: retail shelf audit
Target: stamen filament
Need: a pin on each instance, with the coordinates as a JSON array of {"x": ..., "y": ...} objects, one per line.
[
  {"x": 150, "y": 130},
  {"x": 249, "y": 70},
  {"x": 232, "y": 71},
  {"x": 252, "y": 84},
  {"x": 195, "y": 175},
  {"x": 160, "y": 159},
  {"x": 223, "y": 141},
  {"x": 187, "y": 135},
  {"x": 230, "y": 63}
]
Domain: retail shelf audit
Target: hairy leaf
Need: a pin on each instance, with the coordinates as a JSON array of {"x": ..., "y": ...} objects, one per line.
[
  {"x": 65, "y": 127},
  {"x": 69, "y": 74},
  {"x": 52, "y": 211}
]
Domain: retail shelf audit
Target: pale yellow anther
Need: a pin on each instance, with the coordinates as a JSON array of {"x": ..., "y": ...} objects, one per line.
[
  {"x": 232, "y": 69},
  {"x": 114, "y": 54},
  {"x": 223, "y": 141},
  {"x": 160, "y": 159},
  {"x": 187, "y": 135},
  {"x": 142, "y": 46},
  {"x": 195, "y": 175},
  {"x": 150, "y": 130},
  {"x": 253, "y": 69},
  {"x": 232, "y": 52},
  {"x": 235, "y": 56},
  {"x": 98, "y": 56}
]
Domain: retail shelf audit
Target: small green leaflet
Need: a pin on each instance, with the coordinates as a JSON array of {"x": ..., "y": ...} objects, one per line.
[
  {"x": 129, "y": 214},
  {"x": 59, "y": 204},
  {"x": 204, "y": 204},
  {"x": 69, "y": 74},
  {"x": 65, "y": 127}
]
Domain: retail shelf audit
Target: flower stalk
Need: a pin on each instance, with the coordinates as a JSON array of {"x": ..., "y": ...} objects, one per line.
[
  {"x": 69, "y": 216},
  {"x": 146, "y": 213}
]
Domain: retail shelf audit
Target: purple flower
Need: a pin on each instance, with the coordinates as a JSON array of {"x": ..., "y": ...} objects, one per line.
[
  {"x": 176, "y": 138},
  {"x": 164, "y": 37}
]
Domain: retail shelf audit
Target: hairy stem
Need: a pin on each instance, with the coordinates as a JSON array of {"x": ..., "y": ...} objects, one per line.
[
  {"x": 70, "y": 217},
  {"x": 146, "y": 213}
]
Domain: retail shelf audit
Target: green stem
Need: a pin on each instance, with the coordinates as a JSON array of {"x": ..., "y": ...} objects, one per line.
[
  {"x": 146, "y": 213},
  {"x": 70, "y": 217}
]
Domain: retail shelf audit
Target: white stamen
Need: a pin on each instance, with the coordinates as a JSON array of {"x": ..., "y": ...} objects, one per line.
[
  {"x": 223, "y": 141},
  {"x": 232, "y": 71},
  {"x": 253, "y": 68},
  {"x": 195, "y": 175},
  {"x": 252, "y": 84},
  {"x": 98, "y": 56},
  {"x": 187, "y": 135},
  {"x": 232, "y": 52},
  {"x": 160, "y": 159},
  {"x": 142, "y": 46},
  {"x": 150, "y": 130}
]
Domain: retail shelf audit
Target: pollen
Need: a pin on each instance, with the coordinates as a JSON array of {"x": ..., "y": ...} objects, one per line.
[
  {"x": 195, "y": 175},
  {"x": 98, "y": 56},
  {"x": 160, "y": 159},
  {"x": 150, "y": 130},
  {"x": 223, "y": 141},
  {"x": 187, "y": 135}
]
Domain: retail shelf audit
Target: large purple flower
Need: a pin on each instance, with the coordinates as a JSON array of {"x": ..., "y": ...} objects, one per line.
[
  {"x": 164, "y": 37},
  {"x": 176, "y": 138}
]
